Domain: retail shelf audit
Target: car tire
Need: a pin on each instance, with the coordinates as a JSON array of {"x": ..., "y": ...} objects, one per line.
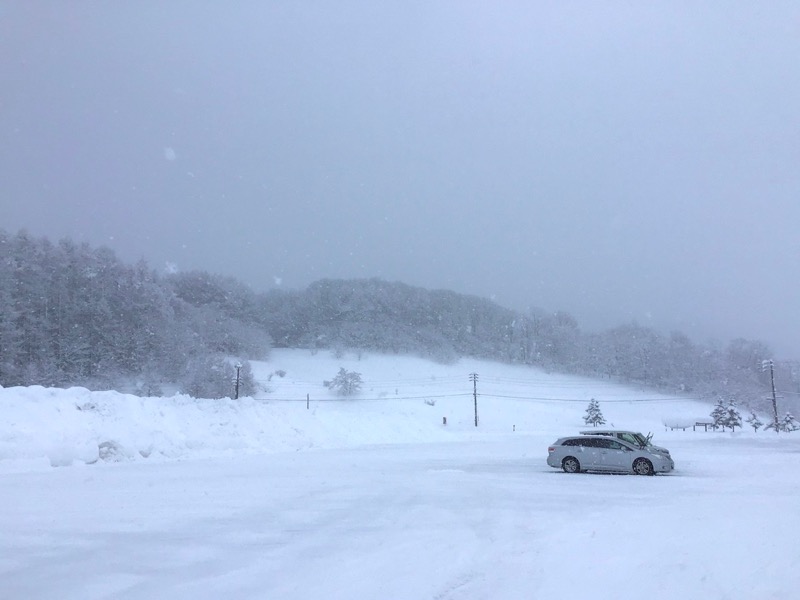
[
  {"x": 571, "y": 465},
  {"x": 642, "y": 466}
]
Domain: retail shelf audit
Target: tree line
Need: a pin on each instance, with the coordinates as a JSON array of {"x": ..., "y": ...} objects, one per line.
[
  {"x": 74, "y": 315},
  {"x": 391, "y": 317}
]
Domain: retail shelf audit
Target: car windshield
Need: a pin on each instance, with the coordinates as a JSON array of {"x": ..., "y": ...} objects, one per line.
[{"x": 634, "y": 438}]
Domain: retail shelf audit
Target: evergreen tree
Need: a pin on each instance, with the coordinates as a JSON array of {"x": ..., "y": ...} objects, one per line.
[
  {"x": 732, "y": 417},
  {"x": 209, "y": 376},
  {"x": 719, "y": 414},
  {"x": 594, "y": 415}
]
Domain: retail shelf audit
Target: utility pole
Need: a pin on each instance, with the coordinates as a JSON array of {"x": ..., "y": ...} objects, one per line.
[
  {"x": 769, "y": 364},
  {"x": 473, "y": 377},
  {"x": 237, "y": 380}
]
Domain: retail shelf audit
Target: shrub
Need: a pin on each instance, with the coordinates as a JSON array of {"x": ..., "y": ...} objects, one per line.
[{"x": 346, "y": 383}]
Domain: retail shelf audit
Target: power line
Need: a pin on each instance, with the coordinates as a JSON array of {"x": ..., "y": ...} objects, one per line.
[
  {"x": 354, "y": 399},
  {"x": 386, "y": 386},
  {"x": 483, "y": 395},
  {"x": 618, "y": 400}
]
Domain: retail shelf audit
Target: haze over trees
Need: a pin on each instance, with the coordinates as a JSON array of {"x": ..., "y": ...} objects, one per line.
[{"x": 74, "y": 315}]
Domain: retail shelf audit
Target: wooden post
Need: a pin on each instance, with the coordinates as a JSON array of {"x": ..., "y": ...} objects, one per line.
[{"x": 474, "y": 378}]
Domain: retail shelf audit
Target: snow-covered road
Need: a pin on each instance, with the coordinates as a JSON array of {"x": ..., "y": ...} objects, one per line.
[{"x": 462, "y": 520}]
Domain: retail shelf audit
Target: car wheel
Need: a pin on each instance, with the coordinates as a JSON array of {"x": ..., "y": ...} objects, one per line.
[
  {"x": 642, "y": 466},
  {"x": 571, "y": 465}
]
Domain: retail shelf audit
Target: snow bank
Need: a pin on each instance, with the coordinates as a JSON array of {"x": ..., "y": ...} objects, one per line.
[{"x": 66, "y": 426}]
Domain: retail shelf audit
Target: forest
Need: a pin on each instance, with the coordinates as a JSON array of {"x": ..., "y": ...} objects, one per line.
[{"x": 72, "y": 315}]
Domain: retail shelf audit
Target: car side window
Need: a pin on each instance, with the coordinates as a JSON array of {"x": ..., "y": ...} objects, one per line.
[
  {"x": 615, "y": 445},
  {"x": 590, "y": 442},
  {"x": 606, "y": 443},
  {"x": 570, "y": 443}
]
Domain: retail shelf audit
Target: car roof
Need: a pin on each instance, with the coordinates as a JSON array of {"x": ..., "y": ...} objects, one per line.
[
  {"x": 582, "y": 439},
  {"x": 606, "y": 431}
]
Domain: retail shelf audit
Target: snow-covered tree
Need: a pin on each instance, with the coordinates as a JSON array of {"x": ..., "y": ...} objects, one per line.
[
  {"x": 594, "y": 416},
  {"x": 789, "y": 423},
  {"x": 346, "y": 383},
  {"x": 726, "y": 415},
  {"x": 732, "y": 418},
  {"x": 754, "y": 421},
  {"x": 719, "y": 414},
  {"x": 208, "y": 376}
]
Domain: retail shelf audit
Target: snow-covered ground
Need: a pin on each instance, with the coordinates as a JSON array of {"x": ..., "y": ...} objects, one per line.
[{"x": 104, "y": 495}]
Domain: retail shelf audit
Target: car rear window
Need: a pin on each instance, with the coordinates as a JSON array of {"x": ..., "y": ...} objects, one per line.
[
  {"x": 586, "y": 442},
  {"x": 609, "y": 443}
]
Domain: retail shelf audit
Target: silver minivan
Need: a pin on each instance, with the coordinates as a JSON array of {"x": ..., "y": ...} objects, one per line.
[{"x": 576, "y": 454}]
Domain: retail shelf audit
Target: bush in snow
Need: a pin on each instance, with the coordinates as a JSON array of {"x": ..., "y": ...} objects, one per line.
[
  {"x": 346, "y": 383},
  {"x": 790, "y": 423}
]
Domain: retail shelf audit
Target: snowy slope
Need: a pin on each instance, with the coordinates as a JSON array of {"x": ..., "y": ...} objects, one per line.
[{"x": 403, "y": 400}]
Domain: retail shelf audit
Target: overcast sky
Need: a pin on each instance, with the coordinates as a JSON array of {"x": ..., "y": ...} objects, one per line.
[{"x": 622, "y": 161}]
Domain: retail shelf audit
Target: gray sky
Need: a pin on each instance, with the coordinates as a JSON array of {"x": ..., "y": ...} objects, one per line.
[{"x": 619, "y": 160}]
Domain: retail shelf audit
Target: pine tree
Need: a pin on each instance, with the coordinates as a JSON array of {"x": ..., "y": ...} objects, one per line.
[
  {"x": 732, "y": 417},
  {"x": 719, "y": 414},
  {"x": 594, "y": 415}
]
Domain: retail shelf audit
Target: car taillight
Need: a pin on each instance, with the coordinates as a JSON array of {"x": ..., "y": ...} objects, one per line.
[{"x": 551, "y": 449}]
